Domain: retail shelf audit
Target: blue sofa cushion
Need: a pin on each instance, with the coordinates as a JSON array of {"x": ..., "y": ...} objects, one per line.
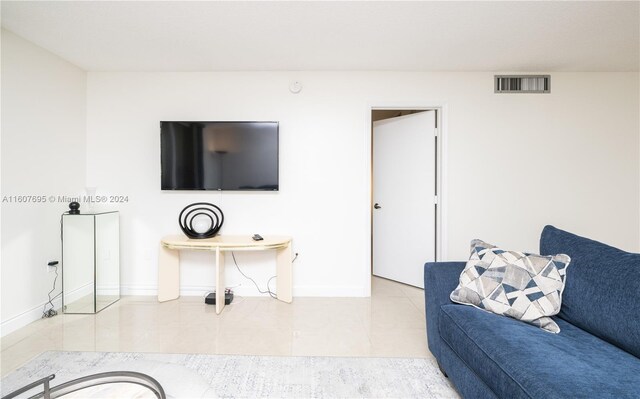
[
  {"x": 602, "y": 291},
  {"x": 518, "y": 360}
]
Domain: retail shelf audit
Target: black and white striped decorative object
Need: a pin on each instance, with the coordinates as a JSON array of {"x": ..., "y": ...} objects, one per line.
[{"x": 201, "y": 220}]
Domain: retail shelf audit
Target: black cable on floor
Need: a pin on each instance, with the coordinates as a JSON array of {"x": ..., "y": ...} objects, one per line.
[{"x": 51, "y": 312}]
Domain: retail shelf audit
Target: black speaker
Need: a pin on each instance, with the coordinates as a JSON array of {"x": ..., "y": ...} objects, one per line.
[
  {"x": 211, "y": 298},
  {"x": 74, "y": 208}
]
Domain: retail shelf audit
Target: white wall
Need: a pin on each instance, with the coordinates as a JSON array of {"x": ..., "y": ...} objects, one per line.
[
  {"x": 514, "y": 163},
  {"x": 43, "y": 153}
]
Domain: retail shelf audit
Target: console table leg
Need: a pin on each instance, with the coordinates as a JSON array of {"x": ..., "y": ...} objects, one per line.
[
  {"x": 168, "y": 274},
  {"x": 283, "y": 274},
  {"x": 219, "y": 281}
]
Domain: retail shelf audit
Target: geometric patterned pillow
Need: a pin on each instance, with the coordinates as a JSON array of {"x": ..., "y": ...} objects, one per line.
[{"x": 523, "y": 286}]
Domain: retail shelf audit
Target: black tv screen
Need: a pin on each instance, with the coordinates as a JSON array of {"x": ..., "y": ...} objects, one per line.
[{"x": 219, "y": 155}]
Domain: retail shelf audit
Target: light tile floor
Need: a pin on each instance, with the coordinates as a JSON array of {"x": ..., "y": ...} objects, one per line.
[
  {"x": 86, "y": 304},
  {"x": 390, "y": 323}
]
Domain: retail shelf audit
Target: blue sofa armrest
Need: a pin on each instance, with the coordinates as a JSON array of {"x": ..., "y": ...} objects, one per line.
[{"x": 440, "y": 278}]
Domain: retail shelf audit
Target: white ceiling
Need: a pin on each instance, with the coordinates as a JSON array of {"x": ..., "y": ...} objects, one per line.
[{"x": 385, "y": 35}]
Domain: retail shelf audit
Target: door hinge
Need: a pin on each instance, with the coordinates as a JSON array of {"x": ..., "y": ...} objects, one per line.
[
  {"x": 435, "y": 132},
  {"x": 435, "y": 200}
]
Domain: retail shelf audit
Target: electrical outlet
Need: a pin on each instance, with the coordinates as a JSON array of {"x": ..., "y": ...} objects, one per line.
[{"x": 51, "y": 266}]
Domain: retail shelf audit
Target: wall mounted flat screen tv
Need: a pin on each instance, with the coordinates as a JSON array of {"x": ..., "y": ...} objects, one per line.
[{"x": 219, "y": 155}]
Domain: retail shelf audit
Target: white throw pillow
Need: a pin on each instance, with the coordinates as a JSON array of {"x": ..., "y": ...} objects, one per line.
[{"x": 520, "y": 285}]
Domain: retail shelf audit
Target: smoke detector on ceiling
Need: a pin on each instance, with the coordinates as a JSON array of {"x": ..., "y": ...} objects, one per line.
[{"x": 295, "y": 87}]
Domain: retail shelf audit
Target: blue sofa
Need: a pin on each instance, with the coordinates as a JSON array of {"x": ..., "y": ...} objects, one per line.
[{"x": 595, "y": 355}]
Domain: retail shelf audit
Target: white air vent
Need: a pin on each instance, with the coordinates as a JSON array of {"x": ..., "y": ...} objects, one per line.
[{"x": 522, "y": 83}]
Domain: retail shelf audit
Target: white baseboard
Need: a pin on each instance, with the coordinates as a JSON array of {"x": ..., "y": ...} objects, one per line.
[
  {"x": 108, "y": 290},
  {"x": 139, "y": 290},
  {"x": 16, "y": 322},
  {"x": 250, "y": 290}
]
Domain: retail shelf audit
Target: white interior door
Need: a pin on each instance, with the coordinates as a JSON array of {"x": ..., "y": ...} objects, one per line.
[{"x": 404, "y": 181}]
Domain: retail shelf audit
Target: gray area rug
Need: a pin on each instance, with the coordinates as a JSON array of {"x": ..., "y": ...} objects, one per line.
[{"x": 215, "y": 376}]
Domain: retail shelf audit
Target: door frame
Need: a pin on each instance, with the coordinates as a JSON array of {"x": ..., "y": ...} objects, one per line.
[{"x": 441, "y": 178}]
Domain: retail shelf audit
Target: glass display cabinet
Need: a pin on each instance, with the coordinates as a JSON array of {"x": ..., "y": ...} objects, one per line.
[{"x": 90, "y": 261}]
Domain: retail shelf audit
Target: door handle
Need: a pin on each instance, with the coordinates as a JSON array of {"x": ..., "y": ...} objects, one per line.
[{"x": 376, "y": 206}]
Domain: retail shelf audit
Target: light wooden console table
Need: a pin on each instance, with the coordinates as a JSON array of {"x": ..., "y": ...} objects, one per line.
[{"x": 169, "y": 262}]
